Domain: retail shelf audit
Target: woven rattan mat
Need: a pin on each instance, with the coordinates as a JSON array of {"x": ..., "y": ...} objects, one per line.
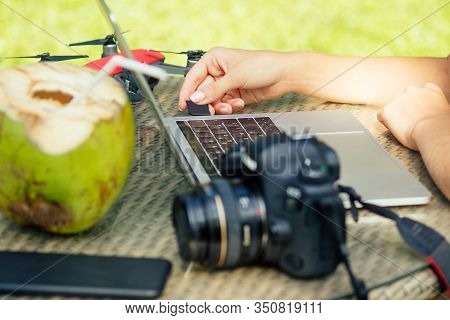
[{"x": 139, "y": 225}]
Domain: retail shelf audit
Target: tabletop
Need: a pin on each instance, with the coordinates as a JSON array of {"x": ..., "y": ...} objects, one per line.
[{"x": 139, "y": 224}]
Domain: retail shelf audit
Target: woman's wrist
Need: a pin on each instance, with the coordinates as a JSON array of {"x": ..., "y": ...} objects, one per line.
[
  {"x": 300, "y": 73},
  {"x": 430, "y": 128},
  {"x": 292, "y": 74}
]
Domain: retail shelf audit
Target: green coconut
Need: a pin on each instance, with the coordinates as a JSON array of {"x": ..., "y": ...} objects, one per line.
[{"x": 62, "y": 166}]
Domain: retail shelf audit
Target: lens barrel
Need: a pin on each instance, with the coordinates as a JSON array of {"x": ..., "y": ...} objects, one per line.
[{"x": 221, "y": 225}]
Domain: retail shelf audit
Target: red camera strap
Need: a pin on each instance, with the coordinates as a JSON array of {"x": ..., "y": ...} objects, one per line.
[{"x": 426, "y": 241}]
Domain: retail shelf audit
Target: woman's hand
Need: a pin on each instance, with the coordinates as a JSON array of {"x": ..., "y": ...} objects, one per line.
[
  {"x": 228, "y": 79},
  {"x": 407, "y": 110}
]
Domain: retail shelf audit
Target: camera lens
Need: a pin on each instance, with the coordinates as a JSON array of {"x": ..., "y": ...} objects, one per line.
[{"x": 221, "y": 224}]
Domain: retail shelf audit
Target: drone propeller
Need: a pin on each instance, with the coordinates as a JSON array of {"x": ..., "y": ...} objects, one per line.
[
  {"x": 47, "y": 57},
  {"x": 97, "y": 42},
  {"x": 111, "y": 38},
  {"x": 189, "y": 53},
  {"x": 193, "y": 57}
]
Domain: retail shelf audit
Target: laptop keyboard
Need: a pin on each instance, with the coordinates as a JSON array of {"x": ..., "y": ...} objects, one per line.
[{"x": 212, "y": 137}]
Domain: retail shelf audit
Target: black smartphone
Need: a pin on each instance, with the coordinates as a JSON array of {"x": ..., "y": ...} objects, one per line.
[{"x": 82, "y": 275}]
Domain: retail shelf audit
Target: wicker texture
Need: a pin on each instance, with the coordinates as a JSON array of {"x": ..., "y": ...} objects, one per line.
[{"x": 139, "y": 225}]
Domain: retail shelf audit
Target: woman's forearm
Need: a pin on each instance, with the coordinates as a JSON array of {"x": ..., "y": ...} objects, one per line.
[
  {"x": 432, "y": 136},
  {"x": 374, "y": 81}
]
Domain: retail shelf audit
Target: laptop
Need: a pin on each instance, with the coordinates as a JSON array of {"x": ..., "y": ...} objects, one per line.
[
  {"x": 365, "y": 165},
  {"x": 198, "y": 142}
]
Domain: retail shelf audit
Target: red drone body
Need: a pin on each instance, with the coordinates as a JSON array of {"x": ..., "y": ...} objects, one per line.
[{"x": 141, "y": 55}]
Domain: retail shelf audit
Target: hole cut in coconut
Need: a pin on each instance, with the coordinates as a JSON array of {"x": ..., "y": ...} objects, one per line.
[{"x": 60, "y": 97}]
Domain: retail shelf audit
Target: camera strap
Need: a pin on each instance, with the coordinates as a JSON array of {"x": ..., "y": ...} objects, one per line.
[
  {"x": 426, "y": 241},
  {"x": 334, "y": 227}
]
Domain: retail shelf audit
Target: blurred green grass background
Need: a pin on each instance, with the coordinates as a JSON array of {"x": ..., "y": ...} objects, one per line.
[{"x": 350, "y": 27}]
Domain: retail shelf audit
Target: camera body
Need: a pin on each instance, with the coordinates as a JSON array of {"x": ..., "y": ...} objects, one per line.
[{"x": 277, "y": 203}]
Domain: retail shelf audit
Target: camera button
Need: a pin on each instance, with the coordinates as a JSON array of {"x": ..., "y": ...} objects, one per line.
[
  {"x": 280, "y": 231},
  {"x": 294, "y": 261},
  {"x": 293, "y": 200}
]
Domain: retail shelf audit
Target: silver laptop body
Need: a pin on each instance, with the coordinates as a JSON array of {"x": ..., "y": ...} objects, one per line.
[{"x": 365, "y": 165}]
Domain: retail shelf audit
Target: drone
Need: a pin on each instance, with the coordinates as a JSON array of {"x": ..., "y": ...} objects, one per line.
[
  {"x": 152, "y": 57},
  {"x": 126, "y": 77}
]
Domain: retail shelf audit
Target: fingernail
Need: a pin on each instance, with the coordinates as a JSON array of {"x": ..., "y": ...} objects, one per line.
[
  {"x": 224, "y": 110},
  {"x": 197, "y": 96},
  {"x": 240, "y": 104}
]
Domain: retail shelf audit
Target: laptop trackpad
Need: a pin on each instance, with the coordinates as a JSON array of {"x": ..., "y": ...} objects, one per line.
[{"x": 371, "y": 171}]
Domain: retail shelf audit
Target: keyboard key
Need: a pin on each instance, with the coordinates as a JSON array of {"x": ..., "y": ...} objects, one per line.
[
  {"x": 197, "y": 123},
  {"x": 231, "y": 123},
  {"x": 221, "y": 137},
  {"x": 238, "y": 135},
  {"x": 207, "y": 134},
  {"x": 200, "y": 129},
  {"x": 214, "y": 153},
  {"x": 208, "y": 140},
  {"x": 214, "y": 122},
  {"x": 211, "y": 146},
  {"x": 182, "y": 125},
  {"x": 216, "y": 127},
  {"x": 271, "y": 129},
  {"x": 244, "y": 121},
  {"x": 227, "y": 145},
  {"x": 219, "y": 131},
  {"x": 225, "y": 139},
  {"x": 263, "y": 120}
]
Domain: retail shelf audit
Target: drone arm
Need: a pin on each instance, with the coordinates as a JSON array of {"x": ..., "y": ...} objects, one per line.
[{"x": 172, "y": 69}]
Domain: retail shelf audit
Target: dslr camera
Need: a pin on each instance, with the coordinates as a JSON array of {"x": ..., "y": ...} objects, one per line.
[{"x": 277, "y": 203}]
